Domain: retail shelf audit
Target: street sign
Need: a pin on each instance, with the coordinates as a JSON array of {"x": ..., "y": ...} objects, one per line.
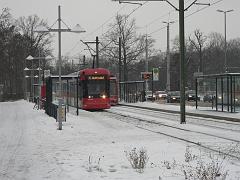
[
  {"x": 146, "y": 75},
  {"x": 47, "y": 73},
  {"x": 155, "y": 72}
]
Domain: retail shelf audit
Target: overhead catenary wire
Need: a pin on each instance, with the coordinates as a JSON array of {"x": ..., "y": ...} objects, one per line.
[
  {"x": 79, "y": 41},
  {"x": 100, "y": 26},
  {"x": 153, "y": 32},
  {"x": 175, "y": 21},
  {"x": 127, "y": 16}
]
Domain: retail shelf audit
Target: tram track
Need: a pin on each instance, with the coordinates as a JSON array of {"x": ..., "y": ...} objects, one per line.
[
  {"x": 230, "y": 119},
  {"x": 200, "y": 121},
  {"x": 148, "y": 124}
]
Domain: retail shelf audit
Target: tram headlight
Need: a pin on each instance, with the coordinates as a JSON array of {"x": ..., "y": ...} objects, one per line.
[{"x": 104, "y": 96}]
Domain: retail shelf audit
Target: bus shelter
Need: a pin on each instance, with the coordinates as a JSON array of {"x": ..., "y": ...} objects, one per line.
[
  {"x": 132, "y": 91},
  {"x": 219, "y": 91}
]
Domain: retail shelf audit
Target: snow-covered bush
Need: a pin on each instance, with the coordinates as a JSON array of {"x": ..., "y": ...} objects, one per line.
[
  {"x": 94, "y": 164},
  {"x": 189, "y": 156},
  {"x": 199, "y": 167},
  {"x": 137, "y": 158},
  {"x": 212, "y": 170}
]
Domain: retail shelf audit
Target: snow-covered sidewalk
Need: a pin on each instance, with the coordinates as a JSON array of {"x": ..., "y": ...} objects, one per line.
[{"x": 90, "y": 147}]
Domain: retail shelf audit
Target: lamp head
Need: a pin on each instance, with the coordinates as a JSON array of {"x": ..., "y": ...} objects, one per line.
[
  {"x": 29, "y": 58},
  {"x": 48, "y": 57},
  {"x": 41, "y": 29},
  {"x": 230, "y": 10},
  {"x": 78, "y": 29},
  {"x": 220, "y": 10}
]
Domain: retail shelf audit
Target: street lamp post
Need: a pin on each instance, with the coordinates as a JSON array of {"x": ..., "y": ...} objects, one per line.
[
  {"x": 225, "y": 36},
  {"x": 168, "y": 85},
  {"x": 30, "y": 58},
  {"x": 38, "y": 69},
  {"x": 76, "y": 29}
]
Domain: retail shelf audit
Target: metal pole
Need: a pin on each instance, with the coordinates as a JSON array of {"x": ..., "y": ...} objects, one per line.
[
  {"x": 97, "y": 53},
  {"x": 59, "y": 51},
  {"x": 24, "y": 82},
  {"x": 182, "y": 59},
  {"x": 146, "y": 63},
  {"x": 227, "y": 78},
  {"x": 32, "y": 81},
  {"x": 39, "y": 79},
  {"x": 168, "y": 61},
  {"x": 152, "y": 86},
  {"x": 225, "y": 42},
  {"x": 225, "y": 37},
  {"x": 60, "y": 66},
  {"x": 231, "y": 95},
  {"x": 222, "y": 91},
  {"x": 77, "y": 84},
  {"x": 234, "y": 93},
  {"x": 196, "y": 92},
  {"x": 120, "y": 60},
  {"x": 216, "y": 99}
]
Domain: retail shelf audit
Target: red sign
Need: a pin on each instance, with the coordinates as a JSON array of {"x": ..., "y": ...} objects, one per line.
[{"x": 146, "y": 75}]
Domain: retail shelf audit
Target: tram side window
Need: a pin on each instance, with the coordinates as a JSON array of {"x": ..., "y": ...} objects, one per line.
[
  {"x": 113, "y": 90},
  {"x": 80, "y": 90}
]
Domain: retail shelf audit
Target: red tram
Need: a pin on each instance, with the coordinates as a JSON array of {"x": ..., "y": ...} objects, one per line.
[
  {"x": 113, "y": 90},
  {"x": 89, "y": 89},
  {"x": 94, "y": 88}
]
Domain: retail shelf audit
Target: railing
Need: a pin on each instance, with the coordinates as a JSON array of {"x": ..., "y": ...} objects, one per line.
[{"x": 51, "y": 110}]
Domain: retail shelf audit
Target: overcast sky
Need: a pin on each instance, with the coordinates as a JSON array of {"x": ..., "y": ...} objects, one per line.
[{"x": 95, "y": 15}]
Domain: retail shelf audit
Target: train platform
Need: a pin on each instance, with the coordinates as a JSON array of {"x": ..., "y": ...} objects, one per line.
[{"x": 206, "y": 112}]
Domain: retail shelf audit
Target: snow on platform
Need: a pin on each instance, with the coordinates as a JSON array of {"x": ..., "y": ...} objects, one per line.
[{"x": 90, "y": 147}]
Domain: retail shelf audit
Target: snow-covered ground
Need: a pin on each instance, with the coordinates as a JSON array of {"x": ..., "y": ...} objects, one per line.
[
  {"x": 91, "y": 147},
  {"x": 189, "y": 109}
]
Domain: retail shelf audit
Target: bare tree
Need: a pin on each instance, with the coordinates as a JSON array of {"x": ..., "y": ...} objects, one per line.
[
  {"x": 214, "y": 53},
  {"x": 198, "y": 42},
  {"x": 17, "y": 40},
  {"x": 37, "y": 41},
  {"x": 132, "y": 44}
]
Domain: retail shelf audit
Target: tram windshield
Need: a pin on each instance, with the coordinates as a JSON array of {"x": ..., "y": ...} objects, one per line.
[{"x": 96, "y": 88}]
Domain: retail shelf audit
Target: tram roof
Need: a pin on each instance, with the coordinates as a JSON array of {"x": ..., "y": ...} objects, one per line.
[{"x": 95, "y": 71}]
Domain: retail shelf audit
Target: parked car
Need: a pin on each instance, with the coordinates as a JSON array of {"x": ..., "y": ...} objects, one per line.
[
  {"x": 160, "y": 95},
  {"x": 150, "y": 95},
  {"x": 173, "y": 96},
  {"x": 191, "y": 95},
  {"x": 208, "y": 98}
]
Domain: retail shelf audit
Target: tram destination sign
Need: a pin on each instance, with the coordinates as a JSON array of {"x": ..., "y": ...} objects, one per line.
[{"x": 94, "y": 77}]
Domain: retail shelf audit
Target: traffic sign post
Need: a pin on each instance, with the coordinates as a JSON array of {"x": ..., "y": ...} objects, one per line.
[
  {"x": 60, "y": 113},
  {"x": 155, "y": 74}
]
